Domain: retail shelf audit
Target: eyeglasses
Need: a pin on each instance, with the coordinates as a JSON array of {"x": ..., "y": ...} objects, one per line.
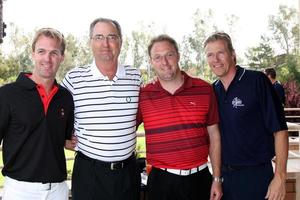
[
  {"x": 109, "y": 38},
  {"x": 169, "y": 56}
]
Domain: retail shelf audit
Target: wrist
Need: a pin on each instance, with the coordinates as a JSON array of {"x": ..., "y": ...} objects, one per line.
[{"x": 218, "y": 179}]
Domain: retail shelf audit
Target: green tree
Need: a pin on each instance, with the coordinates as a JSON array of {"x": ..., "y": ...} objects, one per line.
[
  {"x": 77, "y": 54},
  {"x": 284, "y": 28},
  {"x": 261, "y": 56},
  {"x": 139, "y": 48},
  {"x": 280, "y": 48},
  {"x": 204, "y": 25}
]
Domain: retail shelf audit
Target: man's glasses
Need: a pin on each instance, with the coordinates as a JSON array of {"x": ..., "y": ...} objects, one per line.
[
  {"x": 169, "y": 56},
  {"x": 109, "y": 38}
]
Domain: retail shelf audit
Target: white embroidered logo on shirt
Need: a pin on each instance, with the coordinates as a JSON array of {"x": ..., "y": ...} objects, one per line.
[
  {"x": 236, "y": 102},
  {"x": 192, "y": 103}
]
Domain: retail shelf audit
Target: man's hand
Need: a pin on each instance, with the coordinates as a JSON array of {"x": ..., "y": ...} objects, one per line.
[
  {"x": 276, "y": 189},
  {"x": 216, "y": 191},
  {"x": 71, "y": 144}
]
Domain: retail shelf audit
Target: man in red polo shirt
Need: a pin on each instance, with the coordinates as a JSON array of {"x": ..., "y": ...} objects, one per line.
[{"x": 181, "y": 124}]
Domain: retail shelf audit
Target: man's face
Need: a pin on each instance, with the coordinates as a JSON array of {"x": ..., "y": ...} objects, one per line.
[
  {"x": 105, "y": 42},
  {"x": 164, "y": 59},
  {"x": 47, "y": 57},
  {"x": 219, "y": 58}
]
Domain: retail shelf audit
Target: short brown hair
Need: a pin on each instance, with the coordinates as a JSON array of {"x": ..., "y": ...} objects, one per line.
[
  {"x": 270, "y": 72},
  {"x": 162, "y": 38},
  {"x": 219, "y": 35},
  {"x": 50, "y": 33}
]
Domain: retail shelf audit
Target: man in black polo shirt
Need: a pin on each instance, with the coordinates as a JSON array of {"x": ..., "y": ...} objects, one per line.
[
  {"x": 252, "y": 124},
  {"x": 37, "y": 117}
]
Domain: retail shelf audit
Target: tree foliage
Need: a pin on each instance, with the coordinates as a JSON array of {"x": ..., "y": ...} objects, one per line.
[
  {"x": 261, "y": 56},
  {"x": 283, "y": 30}
]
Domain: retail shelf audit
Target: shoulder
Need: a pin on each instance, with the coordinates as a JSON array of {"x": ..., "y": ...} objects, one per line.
[
  {"x": 198, "y": 83},
  {"x": 149, "y": 87},
  {"x": 247, "y": 76},
  {"x": 254, "y": 74},
  {"x": 9, "y": 92},
  {"x": 65, "y": 92},
  {"x": 8, "y": 88},
  {"x": 132, "y": 70},
  {"x": 79, "y": 71}
]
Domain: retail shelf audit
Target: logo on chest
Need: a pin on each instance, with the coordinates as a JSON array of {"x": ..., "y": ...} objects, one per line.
[{"x": 236, "y": 102}]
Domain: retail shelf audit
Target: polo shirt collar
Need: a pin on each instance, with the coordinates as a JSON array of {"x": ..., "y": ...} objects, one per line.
[
  {"x": 186, "y": 84},
  {"x": 121, "y": 72},
  {"x": 26, "y": 82},
  {"x": 239, "y": 74}
]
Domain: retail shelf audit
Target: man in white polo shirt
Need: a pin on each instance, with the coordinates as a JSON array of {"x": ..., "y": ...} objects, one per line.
[{"x": 105, "y": 95}]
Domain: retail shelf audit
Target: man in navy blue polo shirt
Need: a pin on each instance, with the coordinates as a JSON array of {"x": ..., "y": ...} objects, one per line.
[
  {"x": 252, "y": 124},
  {"x": 271, "y": 74}
]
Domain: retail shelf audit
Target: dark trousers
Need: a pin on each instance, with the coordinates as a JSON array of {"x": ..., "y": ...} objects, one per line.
[
  {"x": 93, "y": 181},
  {"x": 163, "y": 185},
  {"x": 247, "y": 183}
]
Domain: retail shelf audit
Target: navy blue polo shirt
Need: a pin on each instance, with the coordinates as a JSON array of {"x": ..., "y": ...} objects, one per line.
[
  {"x": 249, "y": 113},
  {"x": 280, "y": 91}
]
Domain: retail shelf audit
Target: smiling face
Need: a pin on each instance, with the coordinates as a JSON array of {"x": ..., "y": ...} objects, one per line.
[
  {"x": 220, "y": 59},
  {"x": 105, "y": 42},
  {"x": 47, "y": 57},
  {"x": 164, "y": 59}
]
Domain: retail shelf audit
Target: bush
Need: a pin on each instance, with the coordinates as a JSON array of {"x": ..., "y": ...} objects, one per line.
[{"x": 292, "y": 94}]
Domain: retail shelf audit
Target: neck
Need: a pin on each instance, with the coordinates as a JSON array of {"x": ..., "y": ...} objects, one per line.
[
  {"x": 108, "y": 69},
  {"x": 226, "y": 80},
  {"x": 173, "y": 85},
  {"x": 46, "y": 83},
  {"x": 273, "y": 81}
]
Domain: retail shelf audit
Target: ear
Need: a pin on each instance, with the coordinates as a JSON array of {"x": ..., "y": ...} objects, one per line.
[
  {"x": 62, "y": 58},
  {"x": 233, "y": 55}
]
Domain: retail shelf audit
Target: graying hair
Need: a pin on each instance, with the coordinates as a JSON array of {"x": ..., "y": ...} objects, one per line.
[{"x": 106, "y": 20}]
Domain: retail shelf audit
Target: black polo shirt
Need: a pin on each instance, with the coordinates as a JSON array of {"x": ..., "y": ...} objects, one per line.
[
  {"x": 33, "y": 142},
  {"x": 250, "y": 112}
]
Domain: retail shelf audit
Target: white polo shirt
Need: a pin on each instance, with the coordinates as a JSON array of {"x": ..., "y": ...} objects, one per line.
[{"x": 105, "y": 111}]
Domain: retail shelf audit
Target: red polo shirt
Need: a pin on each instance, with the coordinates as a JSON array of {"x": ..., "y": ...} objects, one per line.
[{"x": 176, "y": 124}]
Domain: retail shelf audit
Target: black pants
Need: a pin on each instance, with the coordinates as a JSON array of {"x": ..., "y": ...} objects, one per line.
[
  {"x": 247, "y": 183},
  {"x": 92, "y": 181},
  {"x": 163, "y": 185}
]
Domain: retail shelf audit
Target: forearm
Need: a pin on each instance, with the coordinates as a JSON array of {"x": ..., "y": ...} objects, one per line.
[
  {"x": 215, "y": 149},
  {"x": 281, "y": 152}
]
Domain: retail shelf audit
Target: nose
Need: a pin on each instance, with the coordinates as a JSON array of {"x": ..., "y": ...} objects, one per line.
[
  {"x": 47, "y": 57},
  {"x": 104, "y": 41},
  {"x": 164, "y": 60}
]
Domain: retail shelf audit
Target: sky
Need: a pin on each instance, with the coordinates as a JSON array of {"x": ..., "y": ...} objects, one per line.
[{"x": 173, "y": 17}]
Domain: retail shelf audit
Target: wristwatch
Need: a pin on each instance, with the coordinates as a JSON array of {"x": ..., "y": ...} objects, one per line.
[{"x": 218, "y": 179}]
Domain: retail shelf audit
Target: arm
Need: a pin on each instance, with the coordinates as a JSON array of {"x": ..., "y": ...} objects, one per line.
[
  {"x": 276, "y": 189},
  {"x": 215, "y": 158}
]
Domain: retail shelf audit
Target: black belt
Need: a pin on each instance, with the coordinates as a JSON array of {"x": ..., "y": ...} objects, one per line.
[
  {"x": 110, "y": 165},
  {"x": 240, "y": 167}
]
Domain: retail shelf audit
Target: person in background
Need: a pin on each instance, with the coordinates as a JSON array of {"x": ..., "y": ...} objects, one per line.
[
  {"x": 37, "y": 117},
  {"x": 106, "y": 97},
  {"x": 271, "y": 74},
  {"x": 180, "y": 117},
  {"x": 252, "y": 124}
]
